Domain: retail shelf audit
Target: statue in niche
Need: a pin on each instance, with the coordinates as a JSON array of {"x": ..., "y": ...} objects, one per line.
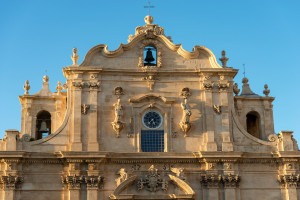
[
  {"x": 123, "y": 176},
  {"x": 118, "y": 111},
  {"x": 117, "y": 124},
  {"x": 185, "y": 124},
  {"x": 186, "y": 112}
]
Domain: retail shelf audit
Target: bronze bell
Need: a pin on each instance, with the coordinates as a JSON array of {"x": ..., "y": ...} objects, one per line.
[
  {"x": 43, "y": 128},
  {"x": 149, "y": 57}
]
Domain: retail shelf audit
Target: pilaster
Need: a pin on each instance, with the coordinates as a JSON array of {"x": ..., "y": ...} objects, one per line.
[
  {"x": 92, "y": 131},
  {"x": 207, "y": 87},
  {"x": 76, "y": 138}
]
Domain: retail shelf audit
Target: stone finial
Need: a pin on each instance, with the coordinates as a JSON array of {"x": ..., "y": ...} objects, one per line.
[
  {"x": 148, "y": 19},
  {"x": 246, "y": 91},
  {"x": 266, "y": 90},
  {"x": 45, "y": 79},
  {"x": 74, "y": 57},
  {"x": 224, "y": 59},
  {"x": 26, "y": 87},
  {"x": 236, "y": 89},
  {"x": 59, "y": 88}
]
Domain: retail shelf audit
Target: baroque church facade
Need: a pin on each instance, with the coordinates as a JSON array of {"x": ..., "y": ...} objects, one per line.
[{"x": 148, "y": 120}]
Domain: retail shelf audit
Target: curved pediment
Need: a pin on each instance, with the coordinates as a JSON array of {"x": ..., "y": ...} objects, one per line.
[
  {"x": 147, "y": 97},
  {"x": 150, "y": 34},
  {"x": 186, "y": 191}
]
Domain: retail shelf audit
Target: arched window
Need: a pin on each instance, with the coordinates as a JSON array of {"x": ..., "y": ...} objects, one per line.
[
  {"x": 150, "y": 56},
  {"x": 43, "y": 125},
  {"x": 253, "y": 124}
]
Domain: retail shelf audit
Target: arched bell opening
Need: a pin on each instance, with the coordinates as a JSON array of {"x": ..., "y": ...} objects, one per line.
[
  {"x": 43, "y": 125},
  {"x": 253, "y": 124},
  {"x": 150, "y": 56}
]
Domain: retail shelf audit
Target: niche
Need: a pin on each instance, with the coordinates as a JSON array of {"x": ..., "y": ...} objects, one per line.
[
  {"x": 43, "y": 125},
  {"x": 150, "y": 56},
  {"x": 253, "y": 124}
]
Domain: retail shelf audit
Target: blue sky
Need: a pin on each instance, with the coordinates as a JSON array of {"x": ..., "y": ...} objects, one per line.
[{"x": 264, "y": 35}]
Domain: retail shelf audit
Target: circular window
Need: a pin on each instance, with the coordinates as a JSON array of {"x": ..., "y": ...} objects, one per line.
[{"x": 152, "y": 119}]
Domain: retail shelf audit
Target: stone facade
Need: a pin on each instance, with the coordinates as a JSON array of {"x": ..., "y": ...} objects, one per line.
[{"x": 148, "y": 121}]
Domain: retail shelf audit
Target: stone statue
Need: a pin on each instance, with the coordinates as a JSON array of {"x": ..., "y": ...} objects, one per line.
[
  {"x": 75, "y": 57},
  {"x": 185, "y": 124},
  {"x": 118, "y": 111},
  {"x": 117, "y": 124},
  {"x": 123, "y": 176},
  {"x": 186, "y": 112}
]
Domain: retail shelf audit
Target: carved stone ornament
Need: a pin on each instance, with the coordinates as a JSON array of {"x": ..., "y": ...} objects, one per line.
[
  {"x": 150, "y": 78},
  {"x": 93, "y": 84},
  {"x": 179, "y": 173},
  {"x": 266, "y": 90},
  {"x": 59, "y": 88},
  {"x": 223, "y": 86},
  {"x": 74, "y": 57},
  {"x": 117, "y": 124},
  {"x": 26, "y": 87},
  {"x": 210, "y": 180},
  {"x": 78, "y": 84},
  {"x": 290, "y": 180},
  {"x": 73, "y": 182},
  {"x": 94, "y": 181},
  {"x": 151, "y": 30},
  {"x": 230, "y": 180},
  {"x": 10, "y": 182},
  {"x": 152, "y": 181},
  {"x": 185, "y": 92},
  {"x": 122, "y": 176},
  {"x": 185, "y": 124},
  {"x": 208, "y": 86},
  {"x": 224, "y": 59},
  {"x": 118, "y": 92},
  {"x": 215, "y": 180},
  {"x": 85, "y": 108},
  {"x": 236, "y": 89},
  {"x": 217, "y": 109}
]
